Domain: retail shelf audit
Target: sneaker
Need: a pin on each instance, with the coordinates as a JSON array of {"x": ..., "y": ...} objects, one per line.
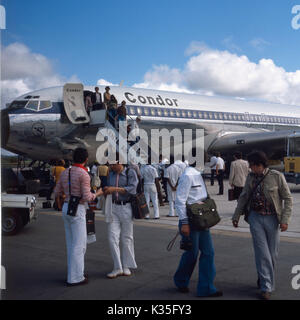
[
  {"x": 147, "y": 217},
  {"x": 126, "y": 272},
  {"x": 114, "y": 274}
]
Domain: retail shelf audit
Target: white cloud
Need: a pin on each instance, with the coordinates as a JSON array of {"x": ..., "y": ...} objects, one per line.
[
  {"x": 24, "y": 71},
  {"x": 214, "y": 72}
]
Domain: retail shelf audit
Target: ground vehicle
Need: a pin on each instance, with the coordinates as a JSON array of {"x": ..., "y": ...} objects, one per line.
[
  {"x": 292, "y": 159},
  {"x": 17, "y": 211}
]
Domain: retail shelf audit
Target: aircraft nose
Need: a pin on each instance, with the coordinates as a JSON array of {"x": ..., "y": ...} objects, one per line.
[{"x": 4, "y": 128}]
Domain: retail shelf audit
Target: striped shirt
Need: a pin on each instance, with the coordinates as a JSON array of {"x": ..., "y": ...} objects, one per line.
[{"x": 80, "y": 185}]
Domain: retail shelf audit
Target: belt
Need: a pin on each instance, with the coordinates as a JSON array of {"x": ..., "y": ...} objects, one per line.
[{"x": 120, "y": 202}]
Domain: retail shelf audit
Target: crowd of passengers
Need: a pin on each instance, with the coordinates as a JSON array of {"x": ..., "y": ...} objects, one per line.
[{"x": 93, "y": 101}]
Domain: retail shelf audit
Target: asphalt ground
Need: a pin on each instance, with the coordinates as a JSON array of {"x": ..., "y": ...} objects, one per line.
[{"x": 35, "y": 260}]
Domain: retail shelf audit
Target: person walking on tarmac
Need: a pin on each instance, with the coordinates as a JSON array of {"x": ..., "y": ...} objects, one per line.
[
  {"x": 150, "y": 180},
  {"x": 267, "y": 198},
  {"x": 192, "y": 189},
  {"x": 121, "y": 184},
  {"x": 220, "y": 170},
  {"x": 75, "y": 226}
]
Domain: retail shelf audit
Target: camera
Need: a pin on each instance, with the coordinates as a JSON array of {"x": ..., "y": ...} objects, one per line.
[{"x": 186, "y": 244}]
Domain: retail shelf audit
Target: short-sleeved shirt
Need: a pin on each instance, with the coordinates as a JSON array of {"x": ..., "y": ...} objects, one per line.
[
  {"x": 149, "y": 174},
  {"x": 80, "y": 185},
  {"x": 127, "y": 179},
  {"x": 220, "y": 163},
  {"x": 57, "y": 171},
  {"x": 174, "y": 171}
]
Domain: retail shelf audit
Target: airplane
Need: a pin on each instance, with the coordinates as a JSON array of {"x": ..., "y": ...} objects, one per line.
[{"x": 50, "y": 123}]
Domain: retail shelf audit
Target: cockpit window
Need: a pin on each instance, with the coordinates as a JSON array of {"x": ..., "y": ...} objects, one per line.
[
  {"x": 33, "y": 105},
  {"x": 18, "y": 104},
  {"x": 45, "y": 105}
]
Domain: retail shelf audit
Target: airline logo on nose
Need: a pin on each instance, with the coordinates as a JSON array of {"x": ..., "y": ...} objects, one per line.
[{"x": 2, "y": 18}]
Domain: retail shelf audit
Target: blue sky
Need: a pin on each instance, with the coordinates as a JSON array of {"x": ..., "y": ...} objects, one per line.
[{"x": 125, "y": 40}]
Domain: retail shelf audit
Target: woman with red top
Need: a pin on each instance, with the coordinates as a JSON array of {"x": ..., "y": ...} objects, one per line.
[{"x": 75, "y": 227}]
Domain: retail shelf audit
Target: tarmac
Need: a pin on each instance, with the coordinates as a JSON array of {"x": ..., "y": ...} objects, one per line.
[{"x": 35, "y": 260}]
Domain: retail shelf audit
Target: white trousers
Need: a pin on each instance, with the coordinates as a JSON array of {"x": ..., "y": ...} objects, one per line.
[
  {"x": 120, "y": 234},
  {"x": 75, "y": 228},
  {"x": 150, "y": 192},
  {"x": 171, "y": 198}
]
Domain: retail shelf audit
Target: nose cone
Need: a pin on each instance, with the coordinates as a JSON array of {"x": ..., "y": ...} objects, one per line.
[{"x": 4, "y": 128}]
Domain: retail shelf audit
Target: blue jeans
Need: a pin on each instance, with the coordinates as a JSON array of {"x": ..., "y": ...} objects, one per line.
[
  {"x": 265, "y": 236},
  {"x": 201, "y": 241}
]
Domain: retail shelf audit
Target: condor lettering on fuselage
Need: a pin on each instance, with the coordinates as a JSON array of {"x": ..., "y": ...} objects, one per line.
[{"x": 150, "y": 100}]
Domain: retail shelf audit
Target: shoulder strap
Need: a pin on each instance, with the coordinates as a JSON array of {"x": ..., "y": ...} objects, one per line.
[
  {"x": 254, "y": 189},
  {"x": 70, "y": 182}
]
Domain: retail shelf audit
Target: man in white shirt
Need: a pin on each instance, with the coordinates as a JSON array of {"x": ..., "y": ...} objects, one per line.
[
  {"x": 150, "y": 179},
  {"x": 220, "y": 170},
  {"x": 172, "y": 174},
  {"x": 213, "y": 164},
  {"x": 191, "y": 189}
]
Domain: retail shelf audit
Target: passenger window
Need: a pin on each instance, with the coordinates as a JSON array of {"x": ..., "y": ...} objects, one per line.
[
  {"x": 178, "y": 113},
  {"x": 189, "y": 114},
  {"x": 32, "y": 105},
  {"x": 166, "y": 112},
  {"x": 139, "y": 111},
  {"x": 159, "y": 112},
  {"x": 146, "y": 111},
  {"x": 45, "y": 105},
  {"x": 153, "y": 111},
  {"x": 183, "y": 114},
  {"x": 132, "y": 110},
  {"x": 195, "y": 115},
  {"x": 171, "y": 113}
]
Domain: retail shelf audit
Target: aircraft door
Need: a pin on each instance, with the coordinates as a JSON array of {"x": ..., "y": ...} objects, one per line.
[{"x": 74, "y": 103}]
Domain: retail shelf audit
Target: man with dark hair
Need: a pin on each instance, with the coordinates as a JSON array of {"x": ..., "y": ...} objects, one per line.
[
  {"x": 121, "y": 184},
  {"x": 239, "y": 170},
  {"x": 191, "y": 189},
  {"x": 220, "y": 170},
  {"x": 213, "y": 164},
  {"x": 97, "y": 100},
  {"x": 267, "y": 198},
  {"x": 75, "y": 181}
]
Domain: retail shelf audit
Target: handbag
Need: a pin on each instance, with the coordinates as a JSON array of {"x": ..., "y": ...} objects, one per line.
[
  {"x": 74, "y": 200},
  {"x": 139, "y": 206},
  {"x": 246, "y": 210},
  {"x": 204, "y": 215},
  {"x": 138, "y": 203},
  {"x": 90, "y": 222},
  {"x": 231, "y": 195}
]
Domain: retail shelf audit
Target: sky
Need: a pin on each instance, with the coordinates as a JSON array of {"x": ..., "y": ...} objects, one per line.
[{"x": 242, "y": 49}]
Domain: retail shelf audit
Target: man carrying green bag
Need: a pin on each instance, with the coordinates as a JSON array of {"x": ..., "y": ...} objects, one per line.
[{"x": 191, "y": 190}]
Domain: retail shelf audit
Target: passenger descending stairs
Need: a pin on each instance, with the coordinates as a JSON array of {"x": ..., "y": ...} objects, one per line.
[{"x": 135, "y": 154}]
